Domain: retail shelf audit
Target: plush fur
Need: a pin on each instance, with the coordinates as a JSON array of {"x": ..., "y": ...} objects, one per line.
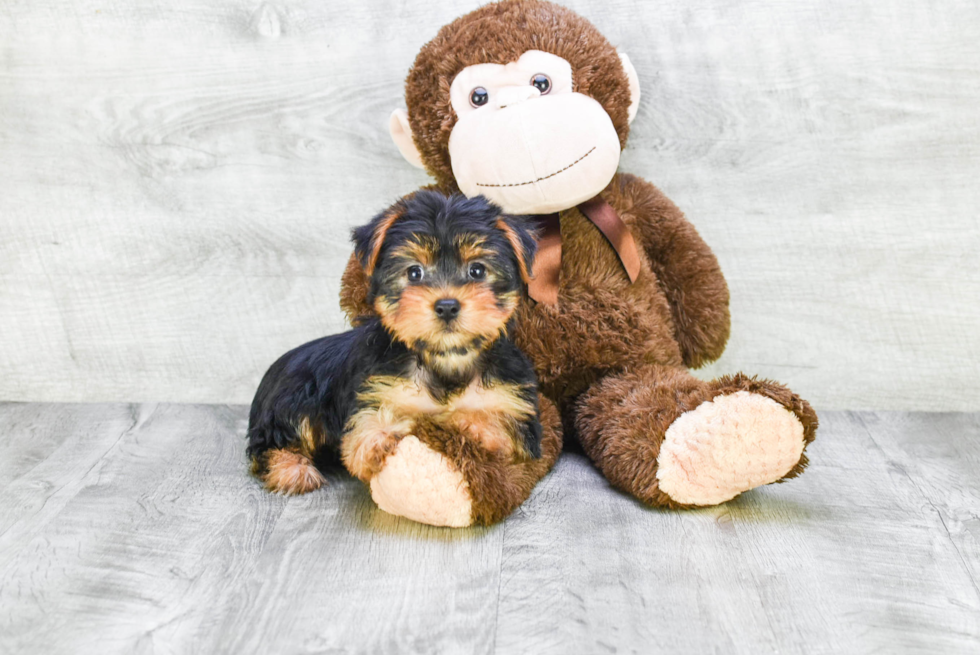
[
  {"x": 455, "y": 382},
  {"x": 613, "y": 355},
  {"x": 623, "y": 437}
]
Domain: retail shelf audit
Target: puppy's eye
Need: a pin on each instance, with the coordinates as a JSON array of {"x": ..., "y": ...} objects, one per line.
[
  {"x": 415, "y": 273},
  {"x": 477, "y": 271},
  {"x": 479, "y": 97},
  {"x": 541, "y": 82}
]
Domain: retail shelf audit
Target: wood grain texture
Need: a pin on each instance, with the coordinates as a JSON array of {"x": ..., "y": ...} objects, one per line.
[
  {"x": 163, "y": 543},
  {"x": 136, "y": 529},
  {"x": 853, "y": 557},
  {"x": 177, "y": 181}
]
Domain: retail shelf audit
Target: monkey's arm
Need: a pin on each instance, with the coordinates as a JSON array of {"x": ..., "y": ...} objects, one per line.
[{"x": 687, "y": 269}]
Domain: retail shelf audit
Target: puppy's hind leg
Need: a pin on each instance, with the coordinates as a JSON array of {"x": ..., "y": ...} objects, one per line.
[{"x": 290, "y": 470}]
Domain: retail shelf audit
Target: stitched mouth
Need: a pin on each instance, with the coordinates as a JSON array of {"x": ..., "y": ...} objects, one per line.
[{"x": 541, "y": 178}]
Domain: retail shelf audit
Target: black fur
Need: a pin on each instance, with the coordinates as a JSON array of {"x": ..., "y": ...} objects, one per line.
[
  {"x": 431, "y": 214},
  {"x": 319, "y": 381}
]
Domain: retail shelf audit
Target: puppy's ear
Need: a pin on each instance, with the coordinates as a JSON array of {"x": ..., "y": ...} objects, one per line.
[
  {"x": 523, "y": 241},
  {"x": 369, "y": 238}
]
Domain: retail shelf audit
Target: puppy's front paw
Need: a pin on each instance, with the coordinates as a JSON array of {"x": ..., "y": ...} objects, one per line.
[
  {"x": 423, "y": 485},
  {"x": 728, "y": 445},
  {"x": 373, "y": 436},
  {"x": 491, "y": 434}
]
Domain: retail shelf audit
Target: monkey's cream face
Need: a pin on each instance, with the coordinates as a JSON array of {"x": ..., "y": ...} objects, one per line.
[{"x": 525, "y": 140}]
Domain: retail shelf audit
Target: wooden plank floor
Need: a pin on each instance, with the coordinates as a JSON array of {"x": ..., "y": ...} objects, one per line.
[{"x": 135, "y": 529}]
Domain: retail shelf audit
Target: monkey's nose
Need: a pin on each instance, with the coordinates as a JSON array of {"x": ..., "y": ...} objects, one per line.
[
  {"x": 447, "y": 309},
  {"x": 512, "y": 95}
]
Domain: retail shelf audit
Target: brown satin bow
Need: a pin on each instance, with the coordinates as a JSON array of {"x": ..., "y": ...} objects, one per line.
[{"x": 547, "y": 263}]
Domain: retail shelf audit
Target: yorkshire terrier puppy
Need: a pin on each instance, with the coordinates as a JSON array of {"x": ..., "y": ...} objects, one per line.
[{"x": 446, "y": 275}]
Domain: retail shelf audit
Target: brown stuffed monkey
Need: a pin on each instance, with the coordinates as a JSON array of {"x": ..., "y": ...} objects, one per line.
[{"x": 526, "y": 103}]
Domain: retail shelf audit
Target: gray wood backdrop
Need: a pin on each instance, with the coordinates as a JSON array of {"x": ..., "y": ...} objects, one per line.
[{"x": 177, "y": 180}]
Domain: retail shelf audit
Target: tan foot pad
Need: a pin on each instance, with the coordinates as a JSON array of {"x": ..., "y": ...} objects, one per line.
[
  {"x": 421, "y": 484},
  {"x": 726, "y": 446}
]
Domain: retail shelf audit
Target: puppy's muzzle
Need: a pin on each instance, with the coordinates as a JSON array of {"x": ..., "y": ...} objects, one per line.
[{"x": 447, "y": 309}]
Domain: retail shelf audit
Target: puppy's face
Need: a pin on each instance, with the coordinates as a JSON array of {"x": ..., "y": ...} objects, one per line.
[{"x": 446, "y": 274}]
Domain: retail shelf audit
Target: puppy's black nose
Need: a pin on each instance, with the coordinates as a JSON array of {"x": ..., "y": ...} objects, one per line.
[{"x": 447, "y": 308}]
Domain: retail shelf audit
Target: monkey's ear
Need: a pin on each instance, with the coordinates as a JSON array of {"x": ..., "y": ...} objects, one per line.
[
  {"x": 523, "y": 241},
  {"x": 401, "y": 134},
  {"x": 634, "y": 82},
  {"x": 369, "y": 238}
]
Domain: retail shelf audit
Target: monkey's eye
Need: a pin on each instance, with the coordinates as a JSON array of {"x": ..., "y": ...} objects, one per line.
[
  {"x": 479, "y": 97},
  {"x": 477, "y": 271},
  {"x": 541, "y": 82},
  {"x": 415, "y": 273}
]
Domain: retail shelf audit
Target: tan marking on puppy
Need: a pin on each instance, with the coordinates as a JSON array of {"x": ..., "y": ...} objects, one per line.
[
  {"x": 515, "y": 244},
  {"x": 451, "y": 363},
  {"x": 412, "y": 319},
  {"x": 372, "y": 435},
  {"x": 385, "y": 308},
  {"x": 308, "y": 438},
  {"x": 379, "y": 238},
  {"x": 501, "y": 398},
  {"x": 492, "y": 431},
  {"x": 491, "y": 415},
  {"x": 408, "y": 395},
  {"x": 472, "y": 249},
  {"x": 480, "y": 314},
  {"x": 422, "y": 251},
  {"x": 289, "y": 472}
]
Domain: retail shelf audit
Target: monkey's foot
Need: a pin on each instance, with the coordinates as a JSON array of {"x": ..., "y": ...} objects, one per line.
[
  {"x": 728, "y": 445},
  {"x": 423, "y": 485},
  {"x": 673, "y": 440}
]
